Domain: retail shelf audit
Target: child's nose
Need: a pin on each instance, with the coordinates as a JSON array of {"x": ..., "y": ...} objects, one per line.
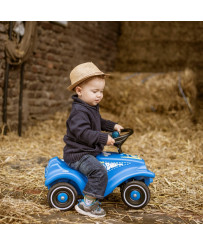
[{"x": 98, "y": 95}]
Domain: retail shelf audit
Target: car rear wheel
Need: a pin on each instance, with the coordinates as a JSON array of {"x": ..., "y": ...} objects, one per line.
[{"x": 62, "y": 196}]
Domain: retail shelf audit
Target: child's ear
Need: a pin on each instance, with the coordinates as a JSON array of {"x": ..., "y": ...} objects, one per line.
[{"x": 78, "y": 90}]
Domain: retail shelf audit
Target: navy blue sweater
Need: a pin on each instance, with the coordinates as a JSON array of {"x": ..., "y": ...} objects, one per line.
[{"x": 84, "y": 127}]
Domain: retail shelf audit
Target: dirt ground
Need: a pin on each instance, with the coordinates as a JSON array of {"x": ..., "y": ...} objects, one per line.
[{"x": 174, "y": 155}]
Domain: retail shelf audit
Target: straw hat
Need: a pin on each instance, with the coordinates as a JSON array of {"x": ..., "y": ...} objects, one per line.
[{"x": 82, "y": 72}]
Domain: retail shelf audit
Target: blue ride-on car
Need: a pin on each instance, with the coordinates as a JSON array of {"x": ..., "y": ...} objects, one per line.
[{"x": 128, "y": 172}]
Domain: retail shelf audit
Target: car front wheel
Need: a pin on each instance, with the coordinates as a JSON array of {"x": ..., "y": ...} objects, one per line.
[{"x": 135, "y": 194}]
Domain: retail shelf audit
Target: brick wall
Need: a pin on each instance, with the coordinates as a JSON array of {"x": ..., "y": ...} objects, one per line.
[{"x": 46, "y": 73}]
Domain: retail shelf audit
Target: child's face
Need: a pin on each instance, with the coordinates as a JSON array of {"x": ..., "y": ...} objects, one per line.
[{"x": 91, "y": 91}]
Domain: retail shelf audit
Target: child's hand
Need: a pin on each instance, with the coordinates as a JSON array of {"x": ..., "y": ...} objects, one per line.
[
  {"x": 118, "y": 128},
  {"x": 110, "y": 140}
]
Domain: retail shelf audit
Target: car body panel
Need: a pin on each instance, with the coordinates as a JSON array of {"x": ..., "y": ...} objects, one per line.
[{"x": 120, "y": 168}]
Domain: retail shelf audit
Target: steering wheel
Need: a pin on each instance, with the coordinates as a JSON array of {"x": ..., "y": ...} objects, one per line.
[{"x": 122, "y": 138}]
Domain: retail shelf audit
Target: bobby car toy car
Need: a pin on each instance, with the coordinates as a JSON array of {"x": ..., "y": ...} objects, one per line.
[{"x": 128, "y": 172}]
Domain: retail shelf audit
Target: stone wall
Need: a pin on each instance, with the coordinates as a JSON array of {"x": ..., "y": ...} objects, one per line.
[{"x": 46, "y": 73}]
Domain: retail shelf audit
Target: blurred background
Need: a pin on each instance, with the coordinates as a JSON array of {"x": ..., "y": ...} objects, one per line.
[{"x": 40, "y": 56}]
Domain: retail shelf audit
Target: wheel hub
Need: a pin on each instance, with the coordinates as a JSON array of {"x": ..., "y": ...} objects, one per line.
[
  {"x": 135, "y": 195},
  {"x": 62, "y": 197}
]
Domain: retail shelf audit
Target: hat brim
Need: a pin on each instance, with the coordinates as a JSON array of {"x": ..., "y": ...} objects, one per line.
[{"x": 71, "y": 87}]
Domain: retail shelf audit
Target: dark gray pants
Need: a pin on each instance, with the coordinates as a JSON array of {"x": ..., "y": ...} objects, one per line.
[{"x": 96, "y": 174}]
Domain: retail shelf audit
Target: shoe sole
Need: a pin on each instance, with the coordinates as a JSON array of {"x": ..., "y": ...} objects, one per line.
[{"x": 88, "y": 213}]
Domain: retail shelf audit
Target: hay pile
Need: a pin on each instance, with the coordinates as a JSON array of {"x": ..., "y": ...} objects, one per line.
[
  {"x": 174, "y": 155},
  {"x": 151, "y": 101}
]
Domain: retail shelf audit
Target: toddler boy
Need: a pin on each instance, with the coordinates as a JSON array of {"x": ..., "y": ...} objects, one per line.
[{"x": 84, "y": 139}]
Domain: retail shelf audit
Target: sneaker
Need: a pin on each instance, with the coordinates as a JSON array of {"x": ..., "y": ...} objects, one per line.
[{"x": 93, "y": 210}]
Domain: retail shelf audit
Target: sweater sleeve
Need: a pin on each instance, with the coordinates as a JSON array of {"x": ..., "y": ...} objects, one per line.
[
  {"x": 80, "y": 127},
  {"x": 107, "y": 125}
]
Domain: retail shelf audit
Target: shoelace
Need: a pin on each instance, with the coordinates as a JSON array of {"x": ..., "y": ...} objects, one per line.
[{"x": 98, "y": 207}]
